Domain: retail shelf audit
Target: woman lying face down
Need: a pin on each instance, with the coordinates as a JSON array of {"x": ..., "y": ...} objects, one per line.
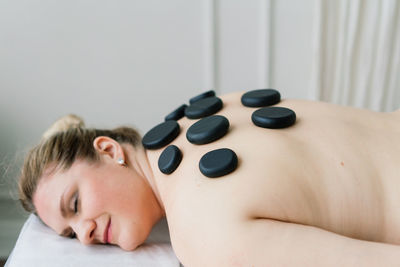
[{"x": 320, "y": 190}]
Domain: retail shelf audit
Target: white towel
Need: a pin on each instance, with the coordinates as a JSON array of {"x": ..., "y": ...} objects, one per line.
[{"x": 38, "y": 245}]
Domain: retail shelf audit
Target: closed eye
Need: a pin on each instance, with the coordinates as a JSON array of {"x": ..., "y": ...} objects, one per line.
[{"x": 76, "y": 203}]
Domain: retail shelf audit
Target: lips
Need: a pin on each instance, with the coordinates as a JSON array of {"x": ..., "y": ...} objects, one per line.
[{"x": 107, "y": 232}]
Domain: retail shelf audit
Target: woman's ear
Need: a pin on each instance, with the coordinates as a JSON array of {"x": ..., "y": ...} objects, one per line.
[{"x": 107, "y": 146}]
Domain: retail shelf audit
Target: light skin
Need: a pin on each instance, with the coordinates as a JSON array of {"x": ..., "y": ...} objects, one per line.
[
  {"x": 324, "y": 192},
  {"x": 95, "y": 195}
]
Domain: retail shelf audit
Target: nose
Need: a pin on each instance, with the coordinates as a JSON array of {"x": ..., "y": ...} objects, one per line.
[{"x": 84, "y": 230}]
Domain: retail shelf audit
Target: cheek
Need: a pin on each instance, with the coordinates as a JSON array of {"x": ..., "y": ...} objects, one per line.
[
  {"x": 94, "y": 198},
  {"x": 125, "y": 200},
  {"x": 93, "y": 204},
  {"x": 111, "y": 196}
]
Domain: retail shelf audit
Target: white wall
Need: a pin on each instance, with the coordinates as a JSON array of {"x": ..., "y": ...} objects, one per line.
[
  {"x": 131, "y": 62},
  {"x": 264, "y": 44},
  {"x": 112, "y": 62}
]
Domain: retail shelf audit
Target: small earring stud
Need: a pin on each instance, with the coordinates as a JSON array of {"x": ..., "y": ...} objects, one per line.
[{"x": 121, "y": 162}]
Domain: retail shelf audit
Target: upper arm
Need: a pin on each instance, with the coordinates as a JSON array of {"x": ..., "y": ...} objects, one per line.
[{"x": 264, "y": 242}]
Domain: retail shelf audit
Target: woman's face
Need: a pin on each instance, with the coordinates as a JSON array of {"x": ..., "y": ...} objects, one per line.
[{"x": 101, "y": 202}]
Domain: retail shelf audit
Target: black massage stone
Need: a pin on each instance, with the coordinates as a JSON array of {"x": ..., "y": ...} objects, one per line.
[
  {"x": 161, "y": 135},
  {"x": 169, "y": 159},
  {"x": 273, "y": 117},
  {"x": 218, "y": 163},
  {"x": 261, "y": 98},
  {"x": 201, "y": 96},
  {"x": 207, "y": 130},
  {"x": 177, "y": 113},
  {"x": 204, "y": 107}
]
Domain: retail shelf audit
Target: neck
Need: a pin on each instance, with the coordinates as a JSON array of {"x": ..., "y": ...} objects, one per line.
[{"x": 138, "y": 159}]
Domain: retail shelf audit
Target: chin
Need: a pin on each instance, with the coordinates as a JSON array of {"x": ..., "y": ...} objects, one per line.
[
  {"x": 129, "y": 247},
  {"x": 132, "y": 237},
  {"x": 132, "y": 243}
]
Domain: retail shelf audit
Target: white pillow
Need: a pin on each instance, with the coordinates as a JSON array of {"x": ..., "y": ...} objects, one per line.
[{"x": 38, "y": 245}]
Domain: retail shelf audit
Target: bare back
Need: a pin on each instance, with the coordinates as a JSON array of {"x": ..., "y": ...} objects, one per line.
[{"x": 336, "y": 169}]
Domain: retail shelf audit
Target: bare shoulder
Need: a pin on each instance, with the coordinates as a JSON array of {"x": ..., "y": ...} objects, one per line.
[
  {"x": 208, "y": 218},
  {"x": 200, "y": 237}
]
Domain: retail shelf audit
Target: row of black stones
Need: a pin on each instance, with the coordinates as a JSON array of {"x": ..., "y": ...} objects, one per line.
[
  {"x": 202, "y": 105},
  {"x": 218, "y": 162},
  {"x": 268, "y": 117}
]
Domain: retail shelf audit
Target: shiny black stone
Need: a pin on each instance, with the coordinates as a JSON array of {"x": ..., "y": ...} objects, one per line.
[
  {"x": 177, "y": 113},
  {"x": 169, "y": 159},
  {"x": 207, "y": 130},
  {"x": 161, "y": 135},
  {"x": 273, "y": 117},
  {"x": 201, "y": 96},
  {"x": 204, "y": 107},
  {"x": 218, "y": 163},
  {"x": 261, "y": 98}
]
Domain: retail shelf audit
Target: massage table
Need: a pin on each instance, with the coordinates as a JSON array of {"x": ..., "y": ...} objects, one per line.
[{"x": 38, "y": 245}]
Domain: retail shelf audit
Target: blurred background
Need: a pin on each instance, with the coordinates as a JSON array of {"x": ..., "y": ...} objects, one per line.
[{"x": 132, "y": 62}]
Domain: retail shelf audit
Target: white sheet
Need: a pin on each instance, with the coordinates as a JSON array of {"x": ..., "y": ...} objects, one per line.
[{"x": 38, "y": 245}]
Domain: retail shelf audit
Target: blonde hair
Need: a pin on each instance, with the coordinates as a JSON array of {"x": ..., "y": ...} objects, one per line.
[{"x": 64, "y": 142}]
